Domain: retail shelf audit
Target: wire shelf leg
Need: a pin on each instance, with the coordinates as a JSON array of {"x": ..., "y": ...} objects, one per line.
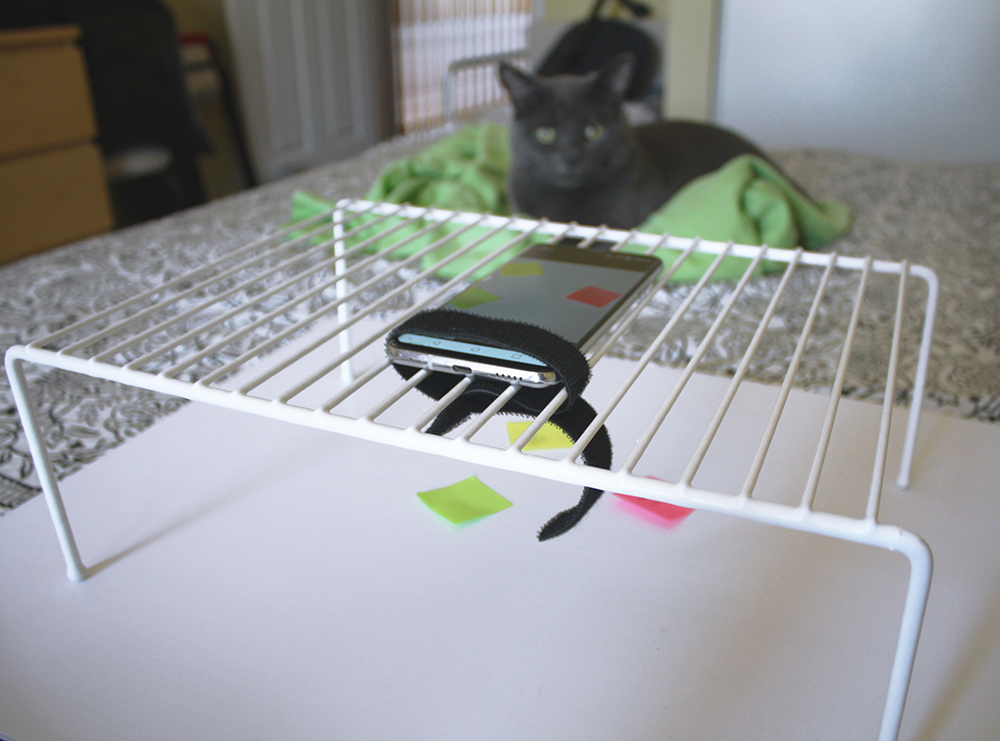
[
  {"x": 75, "y": 569},
  {"x": 921, "y": 566},
  {"x": 917, "y": 402}
]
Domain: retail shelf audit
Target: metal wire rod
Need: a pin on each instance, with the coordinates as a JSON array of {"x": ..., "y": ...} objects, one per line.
[
  {"x": 441, "y": 404},
  {"x": 611, "y": 405},
  {"x": 487, "y": 414},
  {"x": 316, "y": 376},
  {"x": 341, "y": 300},
  {"x": 917, "y": 398},
  {"x": 634, "y": 313},
  {"x": 737, "y": 380},
  {"x": 288, "y": 331},
  {"x": 175, "y": 298},
  {"x": 809, "y": 495},
  {"x": 139, "y": 297},
  {"x": 216, "y": 298},
  {"x": 654, "y": 347},
  {"x": 539, "y": 421},
  {"x": 190, "y": 291},
  {"x": 786, "y": 384},
  {"x": 688, "y": 371},
  {"x": 219, "y": 373},
  {"x": 398, "y": 393},
  {"x": 878, "y": 469},
  {"x": 349, "y": 389},
  {"x": 75, "y": 569}
]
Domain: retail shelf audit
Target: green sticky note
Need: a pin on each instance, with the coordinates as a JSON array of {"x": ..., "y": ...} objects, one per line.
[
  {"x": 518, "y": 269},
  {"x": 472, "y": 297},
  {"x": 465, "y": 501},
  {"x": 549, "y": 437}
]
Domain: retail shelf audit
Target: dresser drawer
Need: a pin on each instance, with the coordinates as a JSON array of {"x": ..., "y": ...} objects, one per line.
[
  {"x": 51, "y": 198},
  {"x": 44, "y": 91}
]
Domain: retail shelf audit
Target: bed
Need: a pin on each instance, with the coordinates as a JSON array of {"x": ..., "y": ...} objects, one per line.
[{"x": 944, "y": 216}]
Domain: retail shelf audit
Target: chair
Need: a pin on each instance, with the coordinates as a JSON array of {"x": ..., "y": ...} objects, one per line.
[{"x": 149, "y": 132}]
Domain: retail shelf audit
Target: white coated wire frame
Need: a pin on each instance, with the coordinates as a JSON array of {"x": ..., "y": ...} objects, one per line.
[
  {"x": 450, "y": 84},
  {"x": 218, "y": 321},
  {"x": 432, "y": 34}
]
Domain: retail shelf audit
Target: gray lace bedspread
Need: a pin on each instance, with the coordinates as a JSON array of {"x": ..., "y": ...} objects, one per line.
[{"x": 944, "y": 216}]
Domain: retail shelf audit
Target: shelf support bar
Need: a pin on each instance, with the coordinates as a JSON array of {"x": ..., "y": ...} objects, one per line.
[
  {"x": 921, "y": 566},
  {"x": 917, "y": 400},
  {"x": 75, "y": 569}
]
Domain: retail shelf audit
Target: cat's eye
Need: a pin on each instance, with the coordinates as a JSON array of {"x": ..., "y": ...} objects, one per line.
[
  {"x": 545, "y": 134},
  {"x": 593, "y": 132}
]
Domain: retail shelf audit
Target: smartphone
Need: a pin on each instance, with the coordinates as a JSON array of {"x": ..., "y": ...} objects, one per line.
[{"x": 577, "y": 293}]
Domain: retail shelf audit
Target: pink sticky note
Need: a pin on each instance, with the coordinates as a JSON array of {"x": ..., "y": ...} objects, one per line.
[
  {"x": 593, "y": 296},
  {"x": 660, "y": 513}
]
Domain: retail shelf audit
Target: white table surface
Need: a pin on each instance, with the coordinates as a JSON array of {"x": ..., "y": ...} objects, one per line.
[{"x": 259, "y": 580}]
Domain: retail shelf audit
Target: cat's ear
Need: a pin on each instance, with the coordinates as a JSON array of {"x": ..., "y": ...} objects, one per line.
[
  {"x": 522, "y": 87},
  {"x": 616, "y": 75}
]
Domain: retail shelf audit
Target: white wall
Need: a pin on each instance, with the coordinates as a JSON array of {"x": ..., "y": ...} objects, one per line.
[{"x": 903, "y": 78}]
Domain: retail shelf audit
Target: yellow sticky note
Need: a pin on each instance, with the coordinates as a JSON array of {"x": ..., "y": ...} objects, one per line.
[
  {"x": 465, "y": 501},
  {"x": 519, "y": 269},
  {"x": 549, "y": 437},
  {"x": 472, "y": 297}
]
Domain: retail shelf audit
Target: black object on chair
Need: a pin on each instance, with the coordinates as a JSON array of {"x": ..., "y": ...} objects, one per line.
[
  {"x": 149, "y": 132},
  {"x": 588, "y": 45}
]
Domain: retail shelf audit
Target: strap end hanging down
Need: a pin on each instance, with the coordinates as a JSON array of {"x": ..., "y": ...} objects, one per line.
[
  {"x": 568, "y": 518},
  {"x": 569, "y": 364}
]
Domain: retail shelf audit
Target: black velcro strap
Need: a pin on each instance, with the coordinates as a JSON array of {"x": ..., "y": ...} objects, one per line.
[
  {"x": 565, "y": 359},
  {"x": 561, "y": 355}
]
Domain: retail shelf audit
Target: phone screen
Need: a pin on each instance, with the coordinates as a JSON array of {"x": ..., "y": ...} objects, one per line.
[{"x": 564, "y": 289}]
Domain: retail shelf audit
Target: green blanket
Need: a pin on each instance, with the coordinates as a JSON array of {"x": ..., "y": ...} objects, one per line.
[{"x": 747, "y": 201}]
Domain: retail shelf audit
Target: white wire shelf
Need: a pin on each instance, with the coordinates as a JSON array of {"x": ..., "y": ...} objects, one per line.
[{"x": 292, "y": 326}]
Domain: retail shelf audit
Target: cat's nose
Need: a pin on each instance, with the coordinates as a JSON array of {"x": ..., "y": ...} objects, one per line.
[
  {"x": 567, "y": 168},
  {"x": 571, "y": 160}
]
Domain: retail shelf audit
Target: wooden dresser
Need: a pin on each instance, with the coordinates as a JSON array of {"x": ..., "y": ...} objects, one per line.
[{"x": 52, "y": 184}]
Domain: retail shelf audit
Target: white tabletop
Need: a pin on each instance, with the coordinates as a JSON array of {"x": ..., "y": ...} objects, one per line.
[{"x": 258, "y": 580}]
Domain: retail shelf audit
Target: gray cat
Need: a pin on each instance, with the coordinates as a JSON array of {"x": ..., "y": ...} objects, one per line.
[{"x": 575, "y": 157}]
